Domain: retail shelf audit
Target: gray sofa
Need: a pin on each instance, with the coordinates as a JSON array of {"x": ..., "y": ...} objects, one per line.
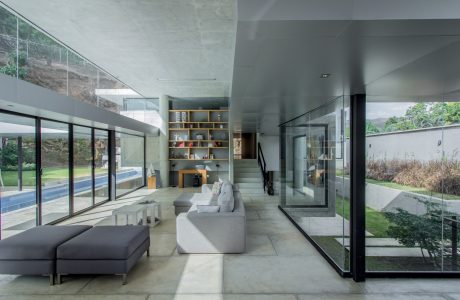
[{"x": 216, "y": 232}]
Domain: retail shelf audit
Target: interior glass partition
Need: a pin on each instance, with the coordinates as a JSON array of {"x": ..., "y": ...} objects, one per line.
[
  {"x": 18, "y": 202},
  {"x": 82, "y": 168},
  {"x": 55, "y": 201},
  {"x": 315, "y": 185},
  {"x": 130, "y": 162}
]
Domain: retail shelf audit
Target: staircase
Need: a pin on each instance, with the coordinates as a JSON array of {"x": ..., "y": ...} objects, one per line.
[{"x": 248, "y": 177}]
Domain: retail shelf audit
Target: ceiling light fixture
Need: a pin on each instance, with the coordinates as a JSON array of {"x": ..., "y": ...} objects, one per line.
[
  {"x": 186, "y": 79},
  {"x": 325, "y": 75}
]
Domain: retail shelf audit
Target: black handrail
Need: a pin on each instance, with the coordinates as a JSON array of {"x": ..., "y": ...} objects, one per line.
[{"x": 263, "y": 165}]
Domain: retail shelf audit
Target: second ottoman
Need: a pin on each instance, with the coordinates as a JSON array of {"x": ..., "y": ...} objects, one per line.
[{"x": 103, "y": 250}]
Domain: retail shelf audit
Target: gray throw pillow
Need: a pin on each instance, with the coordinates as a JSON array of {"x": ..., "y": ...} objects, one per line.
[{"x": 225, "y": 199}]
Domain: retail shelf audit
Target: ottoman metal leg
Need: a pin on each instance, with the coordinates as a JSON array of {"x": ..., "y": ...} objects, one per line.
[
  {"x": 148, "y": 252},
  {"x": 51, "y": 279},
  {"x": 59, "y": 279},
  {"x": 124, "y": 278}
]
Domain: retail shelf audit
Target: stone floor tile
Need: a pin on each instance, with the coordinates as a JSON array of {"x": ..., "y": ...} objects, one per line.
[
  {"x": 275, "y": 274},
  {"x": 257, "y": 244}
]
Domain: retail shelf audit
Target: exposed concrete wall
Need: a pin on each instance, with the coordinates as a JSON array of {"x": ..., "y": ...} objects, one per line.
[
  {"x": 422, "y": 145},
  {"x": 163, "y": 148}
]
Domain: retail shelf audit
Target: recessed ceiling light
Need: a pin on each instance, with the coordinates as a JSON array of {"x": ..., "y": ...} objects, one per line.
[
  {"x": 186, "y": 79},
  {"x": 325, "y": 75}
]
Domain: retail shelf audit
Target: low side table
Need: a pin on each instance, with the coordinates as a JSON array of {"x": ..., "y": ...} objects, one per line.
[
  {"x": 130, "y": 210},
  {"x": 153, "y": 211}
]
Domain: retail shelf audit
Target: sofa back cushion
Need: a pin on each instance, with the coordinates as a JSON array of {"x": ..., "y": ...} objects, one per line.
[{"x": 226, "y": 200}]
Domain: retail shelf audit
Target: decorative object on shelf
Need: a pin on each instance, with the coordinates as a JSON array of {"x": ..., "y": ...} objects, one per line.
[
  {"x": 221, "y": 126},
  {"x": 181, "y": 145},
  {"x": 192, "y": 156},
  {"x": 184, "y": 116},
  {"x": 211, "y": 156},
  {"x": 210, "y": 136},
  {"x": 186, "y": 137},
  {"x": 177, "y": 116},
  {"x": 176, "y": 137},
  {"x": 186, "y": 155},
  {"x": 190, "y": 144},
  {"x": 199, "y": 137},
  {"x": 210, "y": 144},
  {"x": 219, "y": 118}
]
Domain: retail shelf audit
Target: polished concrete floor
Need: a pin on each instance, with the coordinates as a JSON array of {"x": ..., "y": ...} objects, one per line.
[{"x": 279, "y": 264}]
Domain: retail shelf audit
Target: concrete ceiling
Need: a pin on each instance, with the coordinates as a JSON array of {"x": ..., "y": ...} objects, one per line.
[
  {"x": 140, "y": 41},
  {"x": 283, "y": 47},
  {"x": 271, "y": 56}
]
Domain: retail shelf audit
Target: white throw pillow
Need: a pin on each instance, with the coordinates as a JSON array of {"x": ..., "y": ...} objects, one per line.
[
  {"x": 207, "y": 208},
  {"x": 216, "y": 188}
]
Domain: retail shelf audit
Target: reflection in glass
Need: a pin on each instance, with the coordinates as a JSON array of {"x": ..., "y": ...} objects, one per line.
[
  {"x": 8, "y": 42},
  {"x": 315, "y": 183},
  {"x": 83, "y": 166},
  {"x": 130, "y": 162},
  {"x": 101, "y": 164},
  {"x": 17, "y": 174},
  {"x": 55, "y": 170}
]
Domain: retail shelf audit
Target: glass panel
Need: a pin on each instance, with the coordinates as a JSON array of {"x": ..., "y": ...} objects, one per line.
[
  {"x": 17, "y": 174},
  {"x": 45, "y": 61},
  {"x": 315, "y": 183},
  {"x": 83, "y": 166},
  {"x": 8, "y": 45},
  {"x": 451, "y": 182},
  {"x": 55, "y": 170},
  {"x": 101, "y": 163},
  {"x": 130, "y": 162},
  {"x": 82, "y": 79},
  {"x": 404, "y": 185},
  {"x": 111, "y": 92}
]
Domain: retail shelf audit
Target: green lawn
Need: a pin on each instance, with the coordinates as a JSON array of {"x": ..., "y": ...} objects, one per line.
[
  {"x": 376, "y": 223},
  {"x": 10, "y": 178},
  {"x": 412, "y": 189}
]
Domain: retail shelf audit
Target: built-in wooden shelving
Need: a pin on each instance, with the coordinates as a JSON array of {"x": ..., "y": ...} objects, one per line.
[{"x": 198, "y": 134}]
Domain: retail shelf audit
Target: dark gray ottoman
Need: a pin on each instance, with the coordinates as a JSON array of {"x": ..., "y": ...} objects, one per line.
[
  {"x": 33, "y": 252},
  {"x": 103, "y": 250}
]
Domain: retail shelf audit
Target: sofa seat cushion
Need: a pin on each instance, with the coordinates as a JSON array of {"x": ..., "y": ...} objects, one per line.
[
  {"x": 104, "y": 242},
  {"x": 189, "y": 199},
  {"x": 38, "y": 243}
]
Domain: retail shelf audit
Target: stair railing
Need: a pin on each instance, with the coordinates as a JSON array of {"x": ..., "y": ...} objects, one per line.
[{"x": 263, "y": 166}]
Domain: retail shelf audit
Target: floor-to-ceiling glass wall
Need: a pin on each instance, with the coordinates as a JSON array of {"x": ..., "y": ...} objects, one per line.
[
  {"x": 18, "y": 202},
  {"x": 55, "y": 202},
  {"x": 412, "y": 184},
  {"x": 315, "y": 184},
  {"x": 82, "y": 168},
  {"x": 129, "y": 162},
  {"x": 101, "y": 165}
]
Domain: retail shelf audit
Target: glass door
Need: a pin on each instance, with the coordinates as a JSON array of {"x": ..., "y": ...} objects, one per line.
[
  {"x": 101, "y": 165},
  {"x": 55, "y": 198},
  {"x": 18, "y": 202},
  {"x": 83, "y": 168}
]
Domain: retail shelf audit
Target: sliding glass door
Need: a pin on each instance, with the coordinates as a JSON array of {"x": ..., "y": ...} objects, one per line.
[
  {"x": 101, "y": 165},
  {"x": 82, "y": 168},
  {"x": 55, "y": 201},
  {"x": 18, "y": 202}
]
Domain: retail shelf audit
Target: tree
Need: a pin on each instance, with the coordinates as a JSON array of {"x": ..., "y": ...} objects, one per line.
[
  {"x": 371, "y": 128},
  {"x": 424, "y": 231},
  {"x": 11, "y": 68}
]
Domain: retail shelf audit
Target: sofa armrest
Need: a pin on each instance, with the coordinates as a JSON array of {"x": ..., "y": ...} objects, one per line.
[
  {"x": 211, "y": 232},
  {"x": 206, "y": 188}
]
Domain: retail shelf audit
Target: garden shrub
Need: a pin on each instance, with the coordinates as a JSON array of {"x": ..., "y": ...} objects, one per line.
[{"x": 441, "y": 176}]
